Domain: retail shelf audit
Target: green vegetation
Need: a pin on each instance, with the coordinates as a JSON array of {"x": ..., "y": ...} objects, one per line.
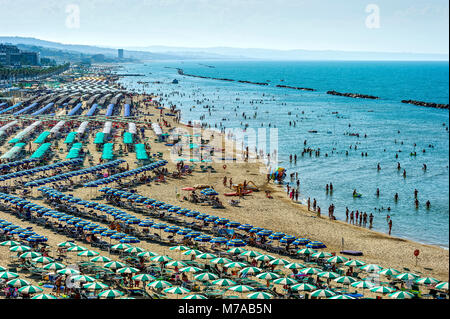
[{"x": 30, "y": 72}]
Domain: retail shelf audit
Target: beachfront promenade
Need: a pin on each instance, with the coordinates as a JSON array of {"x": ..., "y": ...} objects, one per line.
[{"x": 95, "y": 204}]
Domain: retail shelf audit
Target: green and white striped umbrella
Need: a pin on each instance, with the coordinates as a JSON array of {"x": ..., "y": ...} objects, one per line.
[
  {"x": 44, "y": 296},
  {"x": 236, "y": 250},
  {"x": 371, "y": 268},
  {"x": 103, "y": 259},
  {"x": 76, "y": 248},
  {"x": 18, "y": 282},
  {"x": 88, "y": 253},
  {"x": 43, "y": 260},
  {"x": 121, "y": 246},
  {"x": 20, "y": 248},
  {"x": 321, "y": 254},
  {"x": 337, "y": 259},
  {"x": 250, "y": 270},
  {"x": 9, "y": 243},
  {"x": 280, "y": 262},
  {"x": 341, "y": 297},
  {"x": 54, "y": 266},
  {"x": 346, "y": 280},
  {"x": 303, "y": 287},
  {"x": 30, "y": 289},
  {"x": 306, "y": 251},
  {"x": 134, "y": 250},
  {"x": 382, "y": 289},
  {"x": 83, "y": 278},
  {"x": 236, "y": 265},
  {"x": 294, "y": 266},
  {"x": 111, "y": 293},
  {"x": 67, "y": 244},
  {"x": 114, "y": 265},
  {"x": 177, "y": 290},
  {"x": 206, "y": 256},
  {"x": 161, "y": 258},
  {"x": 406, "y": 276},
  {"x": 427, "y": 281},
  {"x": 220, "y": 260},
  {"x": 206, "y": 276},
  {"x": 224, "y": 282},
  {"x": 143, "y": 277},
  {"x": 95, "y": 286},
  {"x": 259, "y": 295},
  {"x": 159, "y": 284},
  {"x": 8, "y": 275},
  {"x": 401, "y": 295},
  {"x": 192, "y": 252},
  {"x": 176, "y": 263},
  {"x": 190, "y": 269},
  {"x": 147, "y": 254},
  {"x": 363, "y": 284},
  {"x": 268, "y": 276},
  {"x": 310, "y": 271},
  {"x": 127, "y": 270},
  {"x": 442, "y": 286},
  {"x": 285, "y": 281},
  {"x": 2, "y": 269},
  {"x": 68, "y": 271},
  {"x": 241, "y": 288},
  {"x": 389, "y": 272},
  {"x": 265, "y": 258},
  {"x": 250, "y": 253},
  {"x": 194, "y": 297},
  {"x": 30, "y": 254},
  {"x": 354, "y": 263},
  {"x": 323, "y": 293},
  {"x": 180, "y": 247},
  {"x": 328, "y": 274}
]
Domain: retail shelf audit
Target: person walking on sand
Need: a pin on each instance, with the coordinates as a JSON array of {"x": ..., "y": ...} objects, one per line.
[
  {"x": 390, "y": 226},
  {"x": 314, "y": 204},
  {"x": 231, "y": 182},
  {"x": 225, "y": 181},
  {"x": 346, "y": 214},
  {"x": 309, "y": 204},
  {"x": 351, "y": 217}
]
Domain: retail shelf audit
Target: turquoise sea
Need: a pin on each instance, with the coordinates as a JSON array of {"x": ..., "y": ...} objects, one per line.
[{"x": 391, "y": 128}]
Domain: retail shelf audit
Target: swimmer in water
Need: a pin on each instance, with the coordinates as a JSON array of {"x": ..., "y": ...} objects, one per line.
[
  {"x": 396, "y": 197},
  {"x": 378, "y": 192},
  {"x": 424, "y": 167}
]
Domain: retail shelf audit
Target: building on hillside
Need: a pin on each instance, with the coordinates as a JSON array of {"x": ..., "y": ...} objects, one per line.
[{"x": 10, "y": 55}]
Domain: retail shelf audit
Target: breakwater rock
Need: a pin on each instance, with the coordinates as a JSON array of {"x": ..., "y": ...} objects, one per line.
[
  {"x": 353, "y": 95},
  {"x": 294, "y": 87},
  {"x": 426, "y": 104}
]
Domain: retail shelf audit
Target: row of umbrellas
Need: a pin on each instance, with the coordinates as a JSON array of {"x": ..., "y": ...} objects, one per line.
[{"x": 18, "y": 163}]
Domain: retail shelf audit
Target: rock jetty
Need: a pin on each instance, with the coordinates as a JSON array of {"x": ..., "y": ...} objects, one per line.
[
  {"x": 354, "y": 95},
  {"x": 426, "y": 104}
]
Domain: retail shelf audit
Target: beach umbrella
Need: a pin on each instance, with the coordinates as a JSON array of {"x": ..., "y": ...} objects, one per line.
[
  {"x": 382, "y": 289},
  {"x": 121, "y": 246},
  {"x": 134, "y": 250},
  {"x": 161, "y": 258},
  {"x": 236, "y": 265},
  {"x": 20, "y": 248},
  {"x": 442, "y": 286},
  {"x": 278, "y": 262},
  {"x": 328, "y": 275},
  {"x": 294, "y": 266},
  {"x": 147, "y": 254},
  {"x": 2, "y": 269},
  {"x": 268, "y": 276},
  {"x": 306, "y": 251},
  {"x": 323, "y": 293},
  {"x": 250, "y": 270},
  {"x": 194, "y": 297},
  {"x": 251, "y": 253},
  {"x": 236, "y": 250},
  {"x": 363, "y": 284},
  {"x": 206, "y": 276},
  {"x": 389, "y": 272},
  {"x": 321, "y": 254},
  {"x": 371, "y": 268},
  {"x": 236, "y": 243},
  {"x": 30, "y": 289},
  {"x": 43, "y": 260},
  {"x": 10, "y": 243},
  {"x": 44, "y": 296},
  {"x": 110, "y": 294},
  {"x": 179, "y": 248},
  {"x": 100, "y": 259},
  {"x": 76, "y": 248},
  {"x": 346, "y": 280},
  {"x": 177, "y": 290},
  {"x": 190, "y": 269},
  {"x": 337, "y": 259},
  {"x": 354, "y": 263},
  {"x": 342, "y": 297},
  {"x": 223, "y": 282},
  {"x": 220, "y": 260},
  {"x": 310, "y": 271},
  {"x": 127, "y": 270},
  {"x": 192, "y": 251},
  {"x": 426, "y": 281},
  {"x": 206, "y": 256},
  {"x": 68, "y": 271},
  {"x": 285, "y": 281},
  {"x": 259, "y": 295},
  {"x": 265, "y": 258},
  {"x": 114, "y": 265},
  {"x": 176, "y": 263},
  {"x": 303, "y": 287},
  {"x": 406, "y": 276},
  {"x": 401, "y": 295},
  {"x": 159, "y": 284},
  {"x": 83, "y": 278},
  {"x": 241, "y": 288},
  {"x": 143, "y": 277},
  {"x": 54, "y": 266},
  {"x": 30, "y": 254},
  {"x": 17, "y": 283},
  {"x": 88, "y": 253},
  {"x": 8, "y": 275},
  {"x": 95, "y": 286}
]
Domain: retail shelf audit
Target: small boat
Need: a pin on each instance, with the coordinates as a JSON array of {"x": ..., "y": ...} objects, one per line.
[{"x": 312, "y": 131}]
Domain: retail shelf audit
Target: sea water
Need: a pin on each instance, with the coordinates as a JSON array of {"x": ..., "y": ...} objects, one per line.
[{"x": 391, "y": 127}]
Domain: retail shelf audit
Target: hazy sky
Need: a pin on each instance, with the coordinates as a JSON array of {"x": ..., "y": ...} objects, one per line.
[{"x": 419, "y": 26}]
